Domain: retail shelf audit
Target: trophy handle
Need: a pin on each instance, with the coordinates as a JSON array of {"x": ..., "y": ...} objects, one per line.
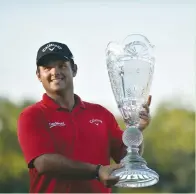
[{"x": 138, "y": 37}]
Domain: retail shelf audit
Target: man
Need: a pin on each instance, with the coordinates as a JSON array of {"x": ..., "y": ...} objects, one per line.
[{"x": 67, "y": 143}]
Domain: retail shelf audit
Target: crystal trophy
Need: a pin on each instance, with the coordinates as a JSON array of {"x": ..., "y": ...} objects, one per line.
[{"x": 130, "y": 67}]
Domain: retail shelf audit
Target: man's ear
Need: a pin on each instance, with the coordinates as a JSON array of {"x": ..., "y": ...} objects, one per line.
[
  {"x": 38, "y": 74},
  {"x": 74, "y": 69}
]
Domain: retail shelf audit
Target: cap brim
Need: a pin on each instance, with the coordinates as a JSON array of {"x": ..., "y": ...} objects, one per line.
[{"x": 40, "y": 62}]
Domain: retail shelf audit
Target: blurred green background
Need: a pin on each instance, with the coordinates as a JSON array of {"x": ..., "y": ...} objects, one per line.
[{"x": 169, "y": 150}]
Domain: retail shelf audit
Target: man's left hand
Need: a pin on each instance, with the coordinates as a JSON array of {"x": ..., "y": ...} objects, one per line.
[{"x": 145, "y": 115}]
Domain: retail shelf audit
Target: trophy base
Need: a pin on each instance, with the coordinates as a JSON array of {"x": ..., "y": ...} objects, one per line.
[{"x": 135, "y": 173}]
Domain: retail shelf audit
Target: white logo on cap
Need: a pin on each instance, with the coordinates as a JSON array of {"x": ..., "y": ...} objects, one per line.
[{"x": 51, "y": 47}]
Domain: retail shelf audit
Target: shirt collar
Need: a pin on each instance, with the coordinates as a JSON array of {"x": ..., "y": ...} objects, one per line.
[{"x": 52, "y": 104}]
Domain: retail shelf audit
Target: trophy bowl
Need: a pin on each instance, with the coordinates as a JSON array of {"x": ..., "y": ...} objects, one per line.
[{"x": 130, "y": 67}]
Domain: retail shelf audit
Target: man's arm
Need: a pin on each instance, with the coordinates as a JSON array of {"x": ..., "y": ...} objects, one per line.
[
  {"x": 57, "y": 165},
  {"x": 38, "y": 149}
]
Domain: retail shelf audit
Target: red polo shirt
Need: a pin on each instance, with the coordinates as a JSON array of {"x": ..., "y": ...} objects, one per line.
[{"x": 89, "y": 133}]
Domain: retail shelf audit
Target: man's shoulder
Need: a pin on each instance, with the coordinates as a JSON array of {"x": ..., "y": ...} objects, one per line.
[
  {"x": 96, "y": 107},
  {"x": 32, "y": 110}
]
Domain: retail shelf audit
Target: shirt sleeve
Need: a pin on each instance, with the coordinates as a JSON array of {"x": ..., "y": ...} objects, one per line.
[
  {"x": 33, "y": 137},
  {"x": 117, "y": 147}
]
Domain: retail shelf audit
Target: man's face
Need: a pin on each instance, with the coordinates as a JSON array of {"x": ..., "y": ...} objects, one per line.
[{"x": 56, "y": 75}]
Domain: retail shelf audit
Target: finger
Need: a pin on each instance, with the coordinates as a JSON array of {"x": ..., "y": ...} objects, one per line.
[
  {"x": 146, "y": 108},
  {"x": 149, "y": 100},
  {"x": 116, "y": 166},
  {"x": 145, "y": 113},
  {"x": 145, "y": 118},
  {"x": 112, "y": 181},
  {"x": 113, "y": 178}
]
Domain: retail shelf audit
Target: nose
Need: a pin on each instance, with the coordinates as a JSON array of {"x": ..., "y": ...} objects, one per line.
[{"x": 55, "y": 70}]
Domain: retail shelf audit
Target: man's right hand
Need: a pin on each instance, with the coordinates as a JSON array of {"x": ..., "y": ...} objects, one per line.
[{"x": 105, "y": 174}]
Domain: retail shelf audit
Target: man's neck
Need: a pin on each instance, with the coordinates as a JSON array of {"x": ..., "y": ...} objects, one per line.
[{"x": 65, "y": 100}]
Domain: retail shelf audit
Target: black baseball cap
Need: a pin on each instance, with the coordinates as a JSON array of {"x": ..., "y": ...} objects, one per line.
[{"x": 56, "y": 49}]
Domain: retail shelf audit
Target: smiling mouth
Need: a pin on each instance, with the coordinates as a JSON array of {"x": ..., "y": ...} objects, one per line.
[{"x": 57, "y": 80}]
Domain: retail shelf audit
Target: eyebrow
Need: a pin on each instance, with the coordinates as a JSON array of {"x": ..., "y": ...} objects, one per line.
[{"x": 50, "y": 62}]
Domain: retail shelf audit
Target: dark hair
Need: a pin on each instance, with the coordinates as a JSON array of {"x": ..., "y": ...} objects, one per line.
[
  {"x": 71, "y": 61},
  {"x": 38, "y": 69}
]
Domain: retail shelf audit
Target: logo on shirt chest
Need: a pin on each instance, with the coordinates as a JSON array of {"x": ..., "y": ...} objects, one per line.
[
  {"x": 55, "y": 124},
  {"x": 96, "y": 121}
]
